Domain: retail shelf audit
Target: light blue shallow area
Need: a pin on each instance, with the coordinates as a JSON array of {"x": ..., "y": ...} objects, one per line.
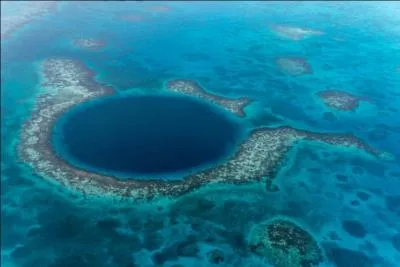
[{"x": 229, "y": 48}]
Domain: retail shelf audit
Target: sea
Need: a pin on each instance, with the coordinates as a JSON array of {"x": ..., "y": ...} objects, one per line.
[{"x": 347, "y": 200}]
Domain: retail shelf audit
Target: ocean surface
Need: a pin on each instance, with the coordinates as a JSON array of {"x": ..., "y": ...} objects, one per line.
[
  {"x": 122, "y": 135},
  {"x": 348, "y": 201}
]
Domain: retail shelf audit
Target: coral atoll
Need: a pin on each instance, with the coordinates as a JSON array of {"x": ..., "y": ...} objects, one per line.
[
  {"x": 66, "y": 83},
  {"x": 340, "y": 100},
  {"x": 284, "y": 243}
]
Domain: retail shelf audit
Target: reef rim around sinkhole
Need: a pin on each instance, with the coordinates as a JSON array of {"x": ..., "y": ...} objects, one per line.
[{"x": 146, "y": 136}]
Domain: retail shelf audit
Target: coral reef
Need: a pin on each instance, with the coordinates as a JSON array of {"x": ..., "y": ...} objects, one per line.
[
  {"x": 294, "y": 33},
  {"x": 215, "y": 256},
  {"x": 89, "y": 43},
  {"x": 340, "y": 100},
  {"x": 191, "y": 88},
  {"x": 28, "y": 12},
  {"x": 294, "y": 66},
  {"x": 66, "y": 83},
  {"x": 284, "y": 243}
]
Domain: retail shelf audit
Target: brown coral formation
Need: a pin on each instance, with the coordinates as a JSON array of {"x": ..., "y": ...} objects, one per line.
[
  {"x": 294, "y": 33},
  {"x": 294, "y": 66},
  {"x": 285, "y": 244},
  {"x": 66, "y": 83},
  {"x": 340, "y": 100}
]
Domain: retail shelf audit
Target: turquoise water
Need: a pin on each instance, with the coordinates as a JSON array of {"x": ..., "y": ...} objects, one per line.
[{"x": 230, "y": 49}]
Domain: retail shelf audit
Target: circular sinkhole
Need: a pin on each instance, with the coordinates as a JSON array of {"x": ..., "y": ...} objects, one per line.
[{"x": 145, "y": 136}]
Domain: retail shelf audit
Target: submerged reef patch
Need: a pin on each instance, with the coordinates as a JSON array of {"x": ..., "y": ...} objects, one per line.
[
  {"x": 363, "y": 195},
  {"x": 160, "y": 8},
  {"x": 294, "y": 33},
  {"x": 343, "y": 257},
  {"x": 28, "y": 11},
  {"x": 130, "y": 15},
  {"x": 215, "y": 256},
  {"x": 340, "y": 100},
  {"x": 329, "y": 116},
  {"x": 131, "y": 18},
  {"x": 354, "y": 228},
  {"x": 396, "y": 242},
  {"x": 67, "y": 83},
  {"x": 89, "y": 44},
  {"x": 392, "y": 203},
  {"x": 285, "y": 244},
  {"x": 294, "y": 66}
]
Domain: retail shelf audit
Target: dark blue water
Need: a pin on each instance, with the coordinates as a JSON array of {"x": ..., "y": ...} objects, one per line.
[{"x": 146, "y": 134}]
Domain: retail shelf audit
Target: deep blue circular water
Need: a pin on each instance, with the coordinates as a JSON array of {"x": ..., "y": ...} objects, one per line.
[{"x": 145, "y": 135}]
